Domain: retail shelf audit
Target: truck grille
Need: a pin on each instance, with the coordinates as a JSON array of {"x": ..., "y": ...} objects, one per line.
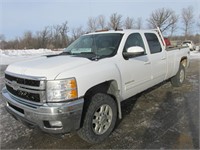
[
  {"x": 23, "y": 81},
  {"x": 23, "y": 94},
  {"x": 26, "y": 89}
]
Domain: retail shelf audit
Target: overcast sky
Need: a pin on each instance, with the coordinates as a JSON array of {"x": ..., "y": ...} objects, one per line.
[{"x": 18, "y": 16}]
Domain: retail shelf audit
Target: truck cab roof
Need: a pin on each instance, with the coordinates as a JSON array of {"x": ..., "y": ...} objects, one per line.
[{"x": 122, "y": 31}]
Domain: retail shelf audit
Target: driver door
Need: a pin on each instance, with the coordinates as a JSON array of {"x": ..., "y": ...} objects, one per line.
[{"x": 136, "y": 71}]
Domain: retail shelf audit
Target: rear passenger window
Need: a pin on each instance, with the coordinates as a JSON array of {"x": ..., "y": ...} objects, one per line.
[{"x": 153, "y": 42}]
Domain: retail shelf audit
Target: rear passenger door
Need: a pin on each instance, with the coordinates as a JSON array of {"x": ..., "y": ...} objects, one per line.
[{"x": 157, "y": 58}]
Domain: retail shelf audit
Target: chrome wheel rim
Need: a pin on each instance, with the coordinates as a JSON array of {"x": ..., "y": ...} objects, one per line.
[
  {"x": 182, "y": 76},
  {"x": 102, "y": 119}
]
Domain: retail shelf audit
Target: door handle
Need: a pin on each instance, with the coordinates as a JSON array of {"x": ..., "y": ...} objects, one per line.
[
  {"x": 147, "y": 63},
  {"x": 163, "y": 58}
]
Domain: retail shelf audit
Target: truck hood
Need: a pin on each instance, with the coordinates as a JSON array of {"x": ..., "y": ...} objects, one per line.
[{"x": 48, "y": 67}]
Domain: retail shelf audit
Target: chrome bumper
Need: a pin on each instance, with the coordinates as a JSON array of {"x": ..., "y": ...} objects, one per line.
[{"x": 49, "y": 117}]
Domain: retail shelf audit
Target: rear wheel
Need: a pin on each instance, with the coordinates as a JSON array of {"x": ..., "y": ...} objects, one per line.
[
  {"x": 100, "y": 118},
  {"x": 179, "y": 78}
]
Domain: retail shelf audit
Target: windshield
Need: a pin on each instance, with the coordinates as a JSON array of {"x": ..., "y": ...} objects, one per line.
[{"x": 95, "y": 46}]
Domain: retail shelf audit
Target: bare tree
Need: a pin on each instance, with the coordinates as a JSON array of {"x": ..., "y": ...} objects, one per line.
[
  {"x": 174, "y": 25},
  {"x": 138, "y": 23},
  {"x": 129, "y": 23},
  {"x": 162, "y": 18},
  {"x": 2, "y": 37},
  {"x": 115, "y": 21},
  {"x": 63, "y": 31},
  {"x": 77, "y": 32},
  {"x": 2, "y": 41},
  {"x": 27, "y": 40},
  {"x": 49, "y": 37},
  {"x": 101, "y": 22},
  {"x": 13, "y": 44},
  {"x": 92, "y": 24},
  {"x": 187, "y": 20},
  {"x": 43, "y": 37},
  {"x": 198, "y": 23},
  {"x": 56, "y": 37}
]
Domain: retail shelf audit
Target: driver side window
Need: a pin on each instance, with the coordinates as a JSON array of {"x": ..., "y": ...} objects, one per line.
[{"x": 134, "y": 39}]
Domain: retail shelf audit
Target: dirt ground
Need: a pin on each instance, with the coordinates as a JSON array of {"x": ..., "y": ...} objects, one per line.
[{"x": 163, "y": 117}]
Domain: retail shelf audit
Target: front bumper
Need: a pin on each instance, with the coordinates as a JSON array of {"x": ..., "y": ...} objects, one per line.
[{"x": 49, "y": 117}]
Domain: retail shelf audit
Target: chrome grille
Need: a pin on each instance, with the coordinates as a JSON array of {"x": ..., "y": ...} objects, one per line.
[
  {"x": 26, "y": 89},
  {"x": 23, "y": 81}
]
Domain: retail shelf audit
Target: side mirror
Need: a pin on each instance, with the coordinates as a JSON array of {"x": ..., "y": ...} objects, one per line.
[{"x": 133, "y": 52}]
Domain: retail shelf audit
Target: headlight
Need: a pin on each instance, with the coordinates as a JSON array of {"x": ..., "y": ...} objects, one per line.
[{"x": 61, "y": 90}]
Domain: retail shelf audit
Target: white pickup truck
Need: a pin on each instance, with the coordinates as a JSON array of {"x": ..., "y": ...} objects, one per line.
[{"x": 83, "y": 87}]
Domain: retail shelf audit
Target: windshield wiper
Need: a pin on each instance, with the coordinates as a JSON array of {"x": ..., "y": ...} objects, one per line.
[
  {"x": 96, "y": 57},
  {"x": 88, "y": 55},
  {"x": 65, "y": 53}
]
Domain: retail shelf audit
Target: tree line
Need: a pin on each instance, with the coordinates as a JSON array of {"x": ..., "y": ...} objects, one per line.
[{"x": 60, "y": 36}]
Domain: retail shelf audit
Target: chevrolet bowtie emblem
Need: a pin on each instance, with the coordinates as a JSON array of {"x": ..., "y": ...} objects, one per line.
[{"x": 15, "y": 85}]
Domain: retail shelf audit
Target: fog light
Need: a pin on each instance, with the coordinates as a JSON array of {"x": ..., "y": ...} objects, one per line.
[{"x": 55, "y": 124}]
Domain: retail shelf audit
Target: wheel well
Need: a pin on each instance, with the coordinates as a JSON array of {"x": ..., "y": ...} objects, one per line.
[
  {"x": 108, "y": 87},
  {"x": 184, "y": 61}
]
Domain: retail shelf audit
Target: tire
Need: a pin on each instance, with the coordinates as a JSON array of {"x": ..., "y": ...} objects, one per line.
[
  {"x": 179, "y": 78},
  {"x": 100, "y": 118}
]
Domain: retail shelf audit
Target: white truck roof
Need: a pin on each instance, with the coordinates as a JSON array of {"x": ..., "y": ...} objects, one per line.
[{"x": 124, "y": 31}]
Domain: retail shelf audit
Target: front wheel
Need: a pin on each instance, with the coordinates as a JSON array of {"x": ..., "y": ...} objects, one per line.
[
  {"x": 179, "y": 78},
  {"x": 100, "y": 118}
]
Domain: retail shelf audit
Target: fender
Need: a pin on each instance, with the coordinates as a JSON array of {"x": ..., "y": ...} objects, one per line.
[{"x": 95, "y": 73}]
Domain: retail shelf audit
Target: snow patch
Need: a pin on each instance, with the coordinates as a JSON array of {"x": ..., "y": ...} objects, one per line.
[
  {"x": 10, "y": 56},
  {"x": 195, "y": 54}
]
